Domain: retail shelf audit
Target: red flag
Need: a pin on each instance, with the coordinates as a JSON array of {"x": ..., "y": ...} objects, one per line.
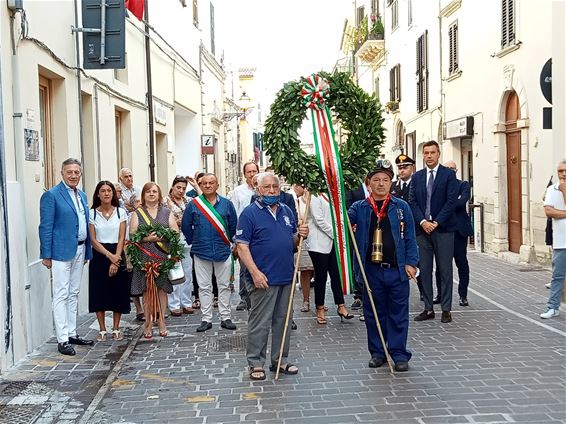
[{"x": 136, "y": 7}]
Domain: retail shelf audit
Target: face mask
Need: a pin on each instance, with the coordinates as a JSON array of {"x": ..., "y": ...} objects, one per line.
[{"x": 270, "y": 200}]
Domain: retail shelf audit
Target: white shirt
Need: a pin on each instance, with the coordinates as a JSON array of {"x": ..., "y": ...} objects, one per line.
[
  {"x": 242, "y": 197},
  {"x": 76, "y": 199},
  {"x": 555, "y": 199},
  {"x": 127, "y": 193},
  {"x": 107, "y": 230},
  {"x": 434, "y": 171},
  {"x": 321, "y": 233}
]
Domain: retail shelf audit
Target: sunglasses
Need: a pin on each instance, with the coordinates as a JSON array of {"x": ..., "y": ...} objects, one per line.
[{"x": 383, "y": 163}]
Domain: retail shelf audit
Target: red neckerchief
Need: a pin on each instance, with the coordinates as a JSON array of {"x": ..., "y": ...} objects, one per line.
[{"x": 380, "y": 214}]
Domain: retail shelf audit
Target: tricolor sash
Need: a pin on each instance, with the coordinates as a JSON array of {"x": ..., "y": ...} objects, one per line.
[
  {"x": 217, "y": 222},
  {"x": 215, "y": 219},
  {"x": 314, "y": 95}
]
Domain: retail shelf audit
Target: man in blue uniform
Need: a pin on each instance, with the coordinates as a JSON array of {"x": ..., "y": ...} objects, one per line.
[{"x": 385, "y": 235}]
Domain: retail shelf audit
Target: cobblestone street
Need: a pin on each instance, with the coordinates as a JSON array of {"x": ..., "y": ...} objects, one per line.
[{"x": 497, "y": 362}]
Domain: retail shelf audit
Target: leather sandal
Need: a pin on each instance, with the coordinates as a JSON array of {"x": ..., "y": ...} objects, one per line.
[
  {"x": 306, "y": 306},
  {"x": 289, "y": 369},
  {"x": 257, "y": 373},
  {"x": 320, "y": 315},
  {"x": 101, "y": 336},
  {"x": 117, "y": 335}
]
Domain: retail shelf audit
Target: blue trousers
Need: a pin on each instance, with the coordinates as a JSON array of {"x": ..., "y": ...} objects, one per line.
[
  {"x": 558, "y": 277},
  {"x": 391, "y": 297}
]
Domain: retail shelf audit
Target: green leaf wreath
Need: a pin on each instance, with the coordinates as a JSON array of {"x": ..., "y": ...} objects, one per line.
[
  {"x": 171, "y": 239},
  {"x": 359, "y": 115}
]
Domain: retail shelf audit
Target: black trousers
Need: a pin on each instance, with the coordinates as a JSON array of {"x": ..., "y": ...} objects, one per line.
[{"x": 325, "y": 264}]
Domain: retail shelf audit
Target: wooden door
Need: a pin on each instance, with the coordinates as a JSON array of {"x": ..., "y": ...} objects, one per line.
[{"x": 514, "y": 194}]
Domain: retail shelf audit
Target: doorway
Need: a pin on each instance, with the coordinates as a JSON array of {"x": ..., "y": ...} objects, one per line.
[{"x": 513, "y": 157}]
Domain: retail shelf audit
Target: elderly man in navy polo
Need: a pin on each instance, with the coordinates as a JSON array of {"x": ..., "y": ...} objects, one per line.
[
  {"x": 266, "y": 235},
  {"x": 209, "y": 224}
]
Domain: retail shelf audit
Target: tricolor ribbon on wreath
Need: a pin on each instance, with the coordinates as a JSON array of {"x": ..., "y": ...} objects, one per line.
[
  {"x": 217, "y": 222},
  {"x": 315, "y": 94}
]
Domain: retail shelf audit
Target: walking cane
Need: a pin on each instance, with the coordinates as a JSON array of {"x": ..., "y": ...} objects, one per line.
[
  {"x": 368, "y": 291},
  {"x": 290, "y": 305}
]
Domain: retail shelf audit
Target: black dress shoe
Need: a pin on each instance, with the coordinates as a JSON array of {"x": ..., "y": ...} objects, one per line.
[
  {"x": 376, "y": 362},
  {"x": 436, "y": 300},
  {"x": 401, "y": 366},
  {"x": 228, "y": 324},
  {"x": 66, "y": 349},
  {"x": 446, "y": 317},
  {"x": 78, "y": 340},
  {"x": 204, "y": 326},
  {"x": 424, "y": 315},
  {"x": 464, "y": 301},
  {"x": 293, "y": 325}
]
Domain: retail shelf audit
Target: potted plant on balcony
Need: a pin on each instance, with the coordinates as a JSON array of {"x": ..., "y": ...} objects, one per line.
[
  {"x": 392, "y": 106},
  {"x": 377, "y": 30},
  {"x": 362, "y": 32}
]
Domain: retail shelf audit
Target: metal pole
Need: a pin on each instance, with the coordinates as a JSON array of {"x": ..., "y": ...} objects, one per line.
[
  {"x": 79, "y": 90},
  {"x": 102, "y": 32},
  {"x": 149, "y": 93}
]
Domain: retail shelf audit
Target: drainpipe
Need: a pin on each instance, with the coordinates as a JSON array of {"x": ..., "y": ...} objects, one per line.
[
  {"x": 149, "y": 92},
  {"x": 79, "y": 90},
  {"x": 97, "y": 129}
]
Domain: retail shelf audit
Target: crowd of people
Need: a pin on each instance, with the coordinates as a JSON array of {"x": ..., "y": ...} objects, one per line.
[{"x": 416, "y": 224}]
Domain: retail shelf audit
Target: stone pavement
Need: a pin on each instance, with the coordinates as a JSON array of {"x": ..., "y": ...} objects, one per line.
[{"x": 497, "y": 362}]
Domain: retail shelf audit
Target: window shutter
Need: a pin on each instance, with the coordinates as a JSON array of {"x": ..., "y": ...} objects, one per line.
[
  {"x": 511, "y": 22},
  {"x": 392, "y": 85},
  {"x": 456, "y": 65},
  {"x": 419, "y": 40},
  {"x": 450, "y": 49},
  {"x": 398, "y": 82},
  {"x": 425, "y": 69}
]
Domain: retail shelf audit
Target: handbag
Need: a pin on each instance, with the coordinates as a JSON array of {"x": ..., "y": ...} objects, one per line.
[{"x": 176, "y": 274}]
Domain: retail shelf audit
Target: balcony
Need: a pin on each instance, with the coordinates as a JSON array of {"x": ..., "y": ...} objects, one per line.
[{"x": 370, "y": 45}]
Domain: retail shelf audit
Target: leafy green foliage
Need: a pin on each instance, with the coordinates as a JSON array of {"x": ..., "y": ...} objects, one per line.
[
  {"x": 359, "y": 115},
  {"x": 171, "y": 239}
]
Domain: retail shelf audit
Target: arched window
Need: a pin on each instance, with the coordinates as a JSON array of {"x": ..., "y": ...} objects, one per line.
[{"x": 400, "y": 136}]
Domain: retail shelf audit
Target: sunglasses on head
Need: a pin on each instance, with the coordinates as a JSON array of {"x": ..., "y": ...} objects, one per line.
[{"x": 383, "y": 163}]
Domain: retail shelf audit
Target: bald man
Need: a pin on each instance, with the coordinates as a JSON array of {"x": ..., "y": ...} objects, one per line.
[{"x": 462, "y": 231}]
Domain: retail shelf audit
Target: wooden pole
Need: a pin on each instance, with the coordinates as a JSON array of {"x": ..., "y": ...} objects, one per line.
[
  {"x": 370, "y": 296},
  {"x": 292, "y": 294}
]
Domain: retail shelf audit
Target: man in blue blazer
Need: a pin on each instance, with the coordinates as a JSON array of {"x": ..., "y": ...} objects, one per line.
[
  {"x": 64, "y": 249},
  {"x": 434, "y": 191}
]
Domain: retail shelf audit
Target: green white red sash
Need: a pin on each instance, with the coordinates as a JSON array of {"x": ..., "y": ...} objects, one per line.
[
  {"x": 315, "y": 93},
  {"x": 217, "y": 222},
  {"x": 215, "y": 219}
]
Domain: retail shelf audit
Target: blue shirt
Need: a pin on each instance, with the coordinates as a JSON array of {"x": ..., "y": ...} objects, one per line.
[
  {"x": 206, "y": 242},
  {"x": 270, "y": 239}
]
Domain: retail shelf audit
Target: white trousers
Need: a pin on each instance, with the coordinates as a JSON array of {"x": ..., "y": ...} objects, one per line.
[
  {"x": 181, "y": 295},
  {"x": 203, "y": 271},
  {"x": 66, "y": 284}
]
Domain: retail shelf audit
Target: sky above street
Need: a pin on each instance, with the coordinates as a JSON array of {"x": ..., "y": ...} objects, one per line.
[{"x": 282, "y": 39}]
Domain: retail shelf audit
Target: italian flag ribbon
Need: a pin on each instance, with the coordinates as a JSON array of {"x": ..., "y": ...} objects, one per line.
[
  {"x": 217, "y": 222},
  {"x": 315, "y": 93}
]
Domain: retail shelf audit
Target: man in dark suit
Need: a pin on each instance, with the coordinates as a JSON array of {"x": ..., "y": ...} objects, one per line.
[
  {"x": 463, "y": 230},
  {"x": 434, "y": 191},
  {"x": 64, "y": 249}
]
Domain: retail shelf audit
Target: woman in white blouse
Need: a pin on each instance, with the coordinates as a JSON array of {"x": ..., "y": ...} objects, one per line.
[
  {"x": 179, "y": 302},
  {"x": 321, "y": 250},
  {"x": 109, "y": 289}
]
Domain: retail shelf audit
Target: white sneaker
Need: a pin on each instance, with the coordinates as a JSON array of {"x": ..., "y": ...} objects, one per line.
[
  {"x": 550, "y": 313},
  {"x": 547, "y": 285}
]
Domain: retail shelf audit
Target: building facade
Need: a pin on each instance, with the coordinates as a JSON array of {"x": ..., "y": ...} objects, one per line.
[
  {"x": 478, "y": 92},
  {"x": 51, "y": 112}
]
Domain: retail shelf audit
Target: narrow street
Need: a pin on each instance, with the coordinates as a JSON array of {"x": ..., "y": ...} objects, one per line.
[{"x": 497, "y": 362}]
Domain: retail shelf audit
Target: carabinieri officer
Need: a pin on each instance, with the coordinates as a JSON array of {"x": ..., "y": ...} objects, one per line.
[{"x": 385, "y": 235}]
